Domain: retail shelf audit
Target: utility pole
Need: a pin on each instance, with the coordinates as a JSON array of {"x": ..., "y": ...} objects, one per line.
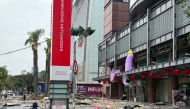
[
  {"x": 75, "y": 31},
  {"x": 73, "y": 76}
]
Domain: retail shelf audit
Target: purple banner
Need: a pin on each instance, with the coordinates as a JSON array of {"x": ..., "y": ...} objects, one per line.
[{"x": 89, "y": 89}]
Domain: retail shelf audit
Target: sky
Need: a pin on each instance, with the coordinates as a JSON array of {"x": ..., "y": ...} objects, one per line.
[{"x": 17, "y": 17}]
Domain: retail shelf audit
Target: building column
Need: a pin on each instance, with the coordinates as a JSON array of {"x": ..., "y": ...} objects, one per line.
[
  {"x": 172, "y": 85},
  {"x": 151, "y": 90}
]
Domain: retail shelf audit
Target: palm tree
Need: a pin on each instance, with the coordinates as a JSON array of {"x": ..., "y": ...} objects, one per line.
[
  {"x": 3, "y": 76},
  {"x": 42, "y": 76},
  {"x": 48, "y": 52},
  {"x": 33, "y": 39}
]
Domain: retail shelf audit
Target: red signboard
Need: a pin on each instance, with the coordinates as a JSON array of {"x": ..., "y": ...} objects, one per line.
[{"x": 61, "y": 39}]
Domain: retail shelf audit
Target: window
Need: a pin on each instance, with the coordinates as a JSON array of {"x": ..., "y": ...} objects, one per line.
[
  {"x": 142, "y": 63},
  {"x": 145, "y": 19},
  {"x": 138, "y": 24},
  {"x": 169, "y": 4},
  {"x": 128, "y": 30},
  {"x": 153, "y": 14},
  {"x": 162, "y": 58},
  {"x": 134, "y": 26},
  {"x": 125, "y": 31},
  {"x": 181, "y": 53},
  {"x": 141, "y": 22},
  {"x": 158, "y": 11},
  {"x": 163, "y": 7},
  {"x": 125, "y": 0}
]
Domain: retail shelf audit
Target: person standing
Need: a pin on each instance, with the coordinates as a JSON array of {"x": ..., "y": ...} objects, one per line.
[
  {"x": 24, "y": 97},
  {"x": 123, "y": 96}
]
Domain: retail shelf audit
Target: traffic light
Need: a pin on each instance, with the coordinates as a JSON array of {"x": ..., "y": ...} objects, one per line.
[
  {"x": 69, "y": 87},
  {"x": 90, "y": 31},
  {"x": 76, "y": 30}
]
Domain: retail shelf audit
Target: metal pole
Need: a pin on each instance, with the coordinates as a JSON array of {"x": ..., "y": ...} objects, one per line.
[
  {"x": 74, "y": 84},
  {"x": 174, "y": 30}
]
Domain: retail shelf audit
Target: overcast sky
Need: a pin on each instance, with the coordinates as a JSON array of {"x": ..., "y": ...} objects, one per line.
[{"x": 17, "y": 17}]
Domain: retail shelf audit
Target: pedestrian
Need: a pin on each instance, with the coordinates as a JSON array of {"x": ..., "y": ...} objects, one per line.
[
  {"x": 104, "y": 96},
  {"x": 24, "y": 97},
  {"x": 34, "y": 105},
  {"x": 123, "y": 96}
]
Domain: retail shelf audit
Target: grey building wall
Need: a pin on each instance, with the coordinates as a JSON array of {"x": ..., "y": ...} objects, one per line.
[
  {"x": 95, "y": 21},
  {"x": 79, "y": 13},
  {"x": 91, "y": 16}
]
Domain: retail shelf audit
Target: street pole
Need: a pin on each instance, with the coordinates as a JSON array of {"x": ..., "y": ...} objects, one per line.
[
  {"x": 78, "y": 31},
  {"x": 74, "y": 84}
]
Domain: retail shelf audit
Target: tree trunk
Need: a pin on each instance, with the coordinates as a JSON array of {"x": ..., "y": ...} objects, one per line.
[
  {"x": 0, "y": 89},
  {"x": 35, "y": 52},
  {"x": 46, "y": 83},
  {"x": 48, "y": 67}
]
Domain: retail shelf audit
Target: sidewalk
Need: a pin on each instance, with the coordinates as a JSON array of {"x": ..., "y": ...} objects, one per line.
[{"x": 118, "y": 104}]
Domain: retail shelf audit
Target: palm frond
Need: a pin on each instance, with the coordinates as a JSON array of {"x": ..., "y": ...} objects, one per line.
[
  {"x": 28, "y": 41},
  {"x": 46, "y": 50},
  {"x": 48, "y": 42},
  {"x": 34, "y": 37}
]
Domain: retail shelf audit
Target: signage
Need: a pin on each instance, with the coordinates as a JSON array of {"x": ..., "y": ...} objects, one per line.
[
  {"x": 179, "y": 98},
  {"x": 59, "y": 104},
  {"x": 75, "y": 67},
  {"x": 61, "y": 40},
  {"x": 89, "y": 89},
  {"x": 69, "y": 85}
]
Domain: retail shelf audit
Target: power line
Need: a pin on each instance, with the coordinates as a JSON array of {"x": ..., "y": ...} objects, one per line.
[
  {"x": 29, "y": 46},
  {"x": 42, "y": 41}
]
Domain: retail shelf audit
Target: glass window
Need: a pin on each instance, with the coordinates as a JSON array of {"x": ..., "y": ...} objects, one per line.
[
  {"x": 158, "y": 11},
  {"x": 135, "y": 26},
  {"x": 141, "y": 21},
  {"x": 141, "y": 63},
  {"x": 162, "y": 58},
  {"x": 125, "y": 0},
  {"x": 181, "y": 53},
  {"x": 163, "y": 7},
  {"x": 138, "y": 24},
  {"x": 153, "y": 14},
  {"x": 169, "y": 4},
  {"x": 125, "y": 31},
  {"x": 145, "y": 19}
]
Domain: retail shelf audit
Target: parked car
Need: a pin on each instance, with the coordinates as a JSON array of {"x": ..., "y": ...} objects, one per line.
[
  {"x": 10, "y": 92},
  {"x": 3, "y": 94}
]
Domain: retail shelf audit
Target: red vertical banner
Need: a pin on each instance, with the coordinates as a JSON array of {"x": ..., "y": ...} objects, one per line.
[{"x": 61, "y": 40}]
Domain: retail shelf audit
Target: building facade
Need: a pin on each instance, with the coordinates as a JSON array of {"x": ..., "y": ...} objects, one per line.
[
  {"x": 88, "y": 13},
  {"x": 158, "y": 33}
]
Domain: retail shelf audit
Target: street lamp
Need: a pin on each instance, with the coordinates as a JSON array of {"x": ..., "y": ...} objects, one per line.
[{"x": 78, "y": 31}]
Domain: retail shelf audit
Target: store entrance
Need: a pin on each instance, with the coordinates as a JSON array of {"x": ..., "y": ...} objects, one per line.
[{"x": 136, "y": 91}]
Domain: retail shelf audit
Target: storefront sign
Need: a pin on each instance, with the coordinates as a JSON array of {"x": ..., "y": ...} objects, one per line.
[
  {"x": 89, "y": 89},
  {"x": 61, "y": 40}
]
